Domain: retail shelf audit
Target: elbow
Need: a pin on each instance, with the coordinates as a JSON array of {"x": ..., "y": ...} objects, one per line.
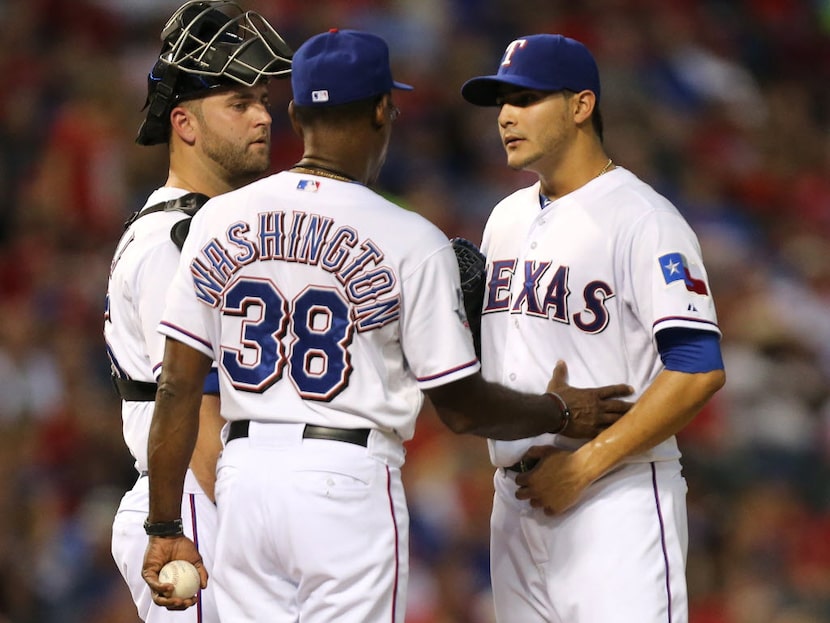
[
  {"x": 717, "y": 379},
  {"x": 167, "y": 390},
  {"x": 172, "y": 389},
  {"x": 707, "y": 384},
  {"x": 457, "y": 404},
  {"x": 455, "y": 421},
  {"x": 443, "y": 400}
]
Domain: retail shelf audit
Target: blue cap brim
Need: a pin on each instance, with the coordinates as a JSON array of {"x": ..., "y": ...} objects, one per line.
[
  {"x": 402, "y": 86},
  {"x": 484, "y": 90}
]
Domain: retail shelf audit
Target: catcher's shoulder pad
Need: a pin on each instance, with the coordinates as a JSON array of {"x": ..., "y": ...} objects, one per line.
[{"x": 189, "y": 204}]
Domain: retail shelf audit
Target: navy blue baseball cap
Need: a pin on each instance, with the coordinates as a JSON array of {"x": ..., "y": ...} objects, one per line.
[
  {"x": 541, "y": 63},
  {"x": 341, "y": 66}
]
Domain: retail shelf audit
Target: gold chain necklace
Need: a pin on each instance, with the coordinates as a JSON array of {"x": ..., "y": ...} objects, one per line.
[
  {"x": 322, "y": 172},
  {"x": 605, "y": 168}
]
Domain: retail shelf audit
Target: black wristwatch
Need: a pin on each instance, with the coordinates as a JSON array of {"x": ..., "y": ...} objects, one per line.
[
  {"x": 564, "y": 412},
  {"x": 164, "y": 528}
]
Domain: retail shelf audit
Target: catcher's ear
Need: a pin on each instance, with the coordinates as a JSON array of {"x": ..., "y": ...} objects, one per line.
[{"x": 181, "y": 124}]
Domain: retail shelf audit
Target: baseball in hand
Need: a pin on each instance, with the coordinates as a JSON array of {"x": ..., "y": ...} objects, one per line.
[{"x": 183, "y": 576}]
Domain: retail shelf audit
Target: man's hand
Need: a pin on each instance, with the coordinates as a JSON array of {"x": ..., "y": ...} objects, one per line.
[
  {"x": 555, "y": 483},
  {"x": 592, "y": 409},
  {"x": 161, "y": 550}
]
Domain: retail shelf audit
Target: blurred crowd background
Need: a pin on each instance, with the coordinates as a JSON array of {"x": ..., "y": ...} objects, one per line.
[{"x": 723, "y": 106}]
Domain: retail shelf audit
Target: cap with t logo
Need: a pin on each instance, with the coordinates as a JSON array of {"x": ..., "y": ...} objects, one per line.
[{"x": 538, "y": 62}]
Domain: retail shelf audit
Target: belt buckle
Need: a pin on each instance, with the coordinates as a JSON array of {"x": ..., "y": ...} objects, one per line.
[{"x": 524, "y": 465}]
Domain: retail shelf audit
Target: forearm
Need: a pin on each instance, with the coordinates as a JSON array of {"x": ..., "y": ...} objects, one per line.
[
  {"x": 170, "y": 446},
  {"x": 664, "y": 409},
  {"x": 174, "y": 428},
  {"x": 477, "y": 407}
]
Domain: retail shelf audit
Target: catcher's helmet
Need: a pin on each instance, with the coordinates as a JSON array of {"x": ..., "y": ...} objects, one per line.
[{"x": 208, "y": 44}]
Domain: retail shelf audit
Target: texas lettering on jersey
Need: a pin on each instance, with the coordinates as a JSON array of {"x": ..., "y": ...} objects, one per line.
[
  {"x": 544, "y": 294},
  {"x": 305, "y": 238}
]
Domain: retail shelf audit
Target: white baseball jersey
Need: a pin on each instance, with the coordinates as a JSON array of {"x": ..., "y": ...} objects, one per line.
[
  {"x": 590, "y": 280},
  {"x": 323, "y": 304},
  {"x": 143, "y": 265}
]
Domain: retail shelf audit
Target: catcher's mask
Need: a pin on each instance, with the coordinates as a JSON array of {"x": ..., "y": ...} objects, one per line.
[{"x": 209, "y": 44}]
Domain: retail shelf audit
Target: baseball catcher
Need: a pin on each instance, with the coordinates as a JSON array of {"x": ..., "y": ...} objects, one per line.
[{"x": 208, "y": 101}]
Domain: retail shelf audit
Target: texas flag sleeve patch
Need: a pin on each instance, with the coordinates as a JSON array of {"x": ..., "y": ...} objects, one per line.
[{"x": 676, "y": 268}]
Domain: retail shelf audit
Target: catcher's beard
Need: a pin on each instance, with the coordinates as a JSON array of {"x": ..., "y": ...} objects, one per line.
[{"x": 241, "y": 163}]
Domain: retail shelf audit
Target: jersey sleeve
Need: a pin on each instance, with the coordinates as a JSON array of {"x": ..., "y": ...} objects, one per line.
[
  {"x": 186, "y": 317},
  {"x": 669, "y": 284},
  {"x": 436, "y": 341}
]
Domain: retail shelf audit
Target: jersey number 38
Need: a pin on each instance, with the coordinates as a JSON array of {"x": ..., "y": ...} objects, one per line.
[{"x": 316, "y": 355}]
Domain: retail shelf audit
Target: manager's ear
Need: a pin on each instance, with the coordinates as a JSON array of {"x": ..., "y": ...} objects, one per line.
[
  {"x": 295, "y": 124},
  {"x": 380, "y": 114}
]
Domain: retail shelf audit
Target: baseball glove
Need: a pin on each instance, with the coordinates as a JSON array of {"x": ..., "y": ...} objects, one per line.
[{"x": 471, "y": 269}]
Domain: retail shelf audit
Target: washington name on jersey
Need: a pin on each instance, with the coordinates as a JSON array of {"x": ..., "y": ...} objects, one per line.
[{"x": 309, "y": 239}]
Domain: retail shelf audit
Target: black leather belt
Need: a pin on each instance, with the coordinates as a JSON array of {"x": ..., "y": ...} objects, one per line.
[
  {"x": 138, "y": 391},
  {"x": 358, "y": 436},
  {"x": 525, "y": 465}
]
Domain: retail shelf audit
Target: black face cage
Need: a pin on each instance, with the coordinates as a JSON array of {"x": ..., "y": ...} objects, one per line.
[
  {"x": 203, "y": 47},
  {"x": 200, "y": 39}
]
